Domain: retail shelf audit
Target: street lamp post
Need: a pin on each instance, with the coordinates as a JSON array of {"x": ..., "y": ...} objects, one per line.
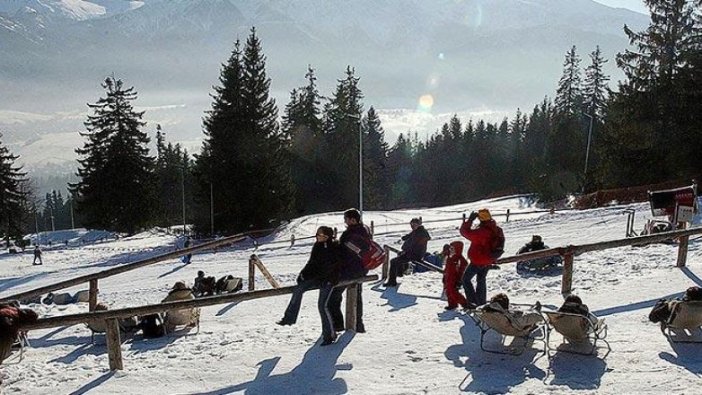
[
  {"x": 587, "y": 150},
  {"x": 182, "y": 187},
  {"x": 360, "y": 161}
]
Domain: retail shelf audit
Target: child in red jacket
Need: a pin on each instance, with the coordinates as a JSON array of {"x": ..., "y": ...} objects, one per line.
[{"x": 453, "y": 271}]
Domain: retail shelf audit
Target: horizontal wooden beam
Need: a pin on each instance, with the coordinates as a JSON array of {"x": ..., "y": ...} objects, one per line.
[
  {"x": 122, "y": 268},
  {"x": 73, "y": 319}
]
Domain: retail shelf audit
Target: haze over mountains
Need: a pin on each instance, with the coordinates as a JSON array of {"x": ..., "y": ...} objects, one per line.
[{"x": 471, "y": 56}]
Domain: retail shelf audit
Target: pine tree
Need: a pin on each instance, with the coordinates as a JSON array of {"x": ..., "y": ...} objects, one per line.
[
  {"x": 341, "y": 123},
  {"x": 115, "y": 190},
  {"x": 595, "y": 88},
  {"x": 13, "y": 195},
  {"x": 171, "y": 172},
  {"x": 243, "y": 157},
  {"x": 375, "y": 158},
  {"x": 400, "y": 156},
  {"x": 568, "y": 94}
]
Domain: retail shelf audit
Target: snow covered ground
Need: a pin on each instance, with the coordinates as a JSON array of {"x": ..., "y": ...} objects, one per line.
[{"x": 411, "y": 346}]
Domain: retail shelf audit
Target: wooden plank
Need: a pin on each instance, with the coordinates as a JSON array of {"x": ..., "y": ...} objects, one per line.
[
  {"x": 682, "y": 251},
  {"x": 114, "y": 345},
  {"x": 264, "y": 271},
  {"x": 351, "y": 302},
  {"x": 252, "y": 274},
  {"x": 386, "y": 264},
  {"x": 567, "y": 281},
  {"x": 73, "y": 319},
  {"x": 93, "y": 295},
  {"x": 122, "y": 268},
  {"x": 429, "y": 266}
]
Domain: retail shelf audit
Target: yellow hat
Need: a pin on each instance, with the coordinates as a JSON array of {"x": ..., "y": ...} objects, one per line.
[{"x": 484, "y": 215}]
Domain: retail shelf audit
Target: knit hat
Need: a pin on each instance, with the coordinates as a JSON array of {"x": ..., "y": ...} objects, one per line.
[
  {"x": 484, "y": 215},
  {"x": 352, "y": 213},
  {"x": 416, "y": 220}
]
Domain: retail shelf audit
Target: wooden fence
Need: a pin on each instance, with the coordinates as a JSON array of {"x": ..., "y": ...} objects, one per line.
[
  {"x": 110, "y": 317},
  {"x": 93, "y": 278},
  {"x": 569, "y": 252}
]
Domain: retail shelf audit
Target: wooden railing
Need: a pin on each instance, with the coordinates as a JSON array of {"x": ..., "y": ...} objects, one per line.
[
  {"x": 110, "y": 317},
  {"x": 93, "y": 278},
  {"x": 569, "y": 252}
]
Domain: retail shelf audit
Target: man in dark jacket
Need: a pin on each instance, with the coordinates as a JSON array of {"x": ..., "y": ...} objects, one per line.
[
  {"x": 354, "y": 241},
  {"x": 320, "y": 268},
  {"x": 413, "y": 248}
]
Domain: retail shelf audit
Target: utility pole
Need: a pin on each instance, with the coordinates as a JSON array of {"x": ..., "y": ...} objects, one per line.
[
  {"x": 182, "y": 185},
  {"x": 211, "y": 210}
]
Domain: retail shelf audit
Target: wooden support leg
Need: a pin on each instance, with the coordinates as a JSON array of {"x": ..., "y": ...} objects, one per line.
[
  {"x": 351, "y": 302},
  {"x": 567, "y": 282},
  {"x": 92, "y": 295},
  {"x": 386, "y": 264},
  {"x": 114, "y": 345},
  {"x": 252, "y": 272},
  {"x": 682, "y": 251}
]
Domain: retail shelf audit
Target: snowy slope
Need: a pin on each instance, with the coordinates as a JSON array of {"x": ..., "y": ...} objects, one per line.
[{"x": 411, "y": 346}]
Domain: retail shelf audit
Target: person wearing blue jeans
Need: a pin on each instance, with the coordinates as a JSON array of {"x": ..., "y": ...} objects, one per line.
[
  {"x": 477, "y": 295},
  {"x": 320, "y": 268}
]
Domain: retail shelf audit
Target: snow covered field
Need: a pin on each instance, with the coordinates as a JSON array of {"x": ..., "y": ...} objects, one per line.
[{"x": 411, "y": 346}]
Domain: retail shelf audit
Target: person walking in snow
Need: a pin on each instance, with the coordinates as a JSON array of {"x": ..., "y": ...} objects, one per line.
[
  {"x": 320, "y": 268},
  {"x": 413, "y": 249},
  {"x": 455, "y": 266},
  {"x": 37, "y": 255},
  {"x": 486, "y": 245}
]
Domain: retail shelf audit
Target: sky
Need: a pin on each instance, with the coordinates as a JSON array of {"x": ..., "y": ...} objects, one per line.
[{"x": 635, "y": 5}]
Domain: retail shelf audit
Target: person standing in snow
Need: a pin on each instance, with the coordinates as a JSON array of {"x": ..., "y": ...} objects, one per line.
[
  {"x": 486, "y": 245},
  {"x": 355, "y": 238},
  {"x": 186, "y": 244},
  {"x": 413, "y": 249},
  {"x": 320, "y": 268},
  {"x": 455, "y": 266},
  {"x": 37, "y": 255}
]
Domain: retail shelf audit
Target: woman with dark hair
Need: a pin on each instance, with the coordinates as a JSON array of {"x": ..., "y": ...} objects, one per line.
[{"x": 320, "y": 268}]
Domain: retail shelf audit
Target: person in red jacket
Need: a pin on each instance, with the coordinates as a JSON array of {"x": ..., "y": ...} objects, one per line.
[
  {"x": 486, "y": 245},
  {"x": 455, "y": 265}
]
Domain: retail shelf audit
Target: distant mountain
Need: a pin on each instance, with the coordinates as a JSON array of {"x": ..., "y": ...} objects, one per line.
[{"x": 470, "y": 55}]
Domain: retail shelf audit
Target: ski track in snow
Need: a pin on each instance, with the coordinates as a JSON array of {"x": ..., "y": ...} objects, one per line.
[{"x": 412, "y": 344}]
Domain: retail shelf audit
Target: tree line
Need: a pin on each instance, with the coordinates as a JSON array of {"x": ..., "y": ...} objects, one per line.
[{"x": 253, "y": 172}]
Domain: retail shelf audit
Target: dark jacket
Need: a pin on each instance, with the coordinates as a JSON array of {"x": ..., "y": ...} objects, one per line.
[
  {"x": 483, "y": 241},
  {"x": 532, "y": 246},
  {"x": 415, "y": 243},
  {"x": 11, "y": 317},
  {"x": 353, "y": 241},
  {"x": 323, "y": 264}
]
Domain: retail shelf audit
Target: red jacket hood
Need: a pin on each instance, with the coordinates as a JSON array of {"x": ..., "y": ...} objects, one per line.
[{"x": 457, "y": 246}]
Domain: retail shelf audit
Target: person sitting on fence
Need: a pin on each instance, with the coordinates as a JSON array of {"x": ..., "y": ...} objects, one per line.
[
  {"x": 536, "y": 244},
  {"x": 414, "y": 247},
  {"x": 323, "y": 259},
  {"x": 11, "y": 318},
  {"x": 519, "y": 319},
  {"x": 455, "y": 265},
  {"x": 357, "y": 236}
]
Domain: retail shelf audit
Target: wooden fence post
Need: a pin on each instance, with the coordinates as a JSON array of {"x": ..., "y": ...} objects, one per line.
[
  {"x": 264, "y": 271},
  {"x": 567, "y": 282},
  {"x": 464, "y": 217},
  {"x": 682, "y": 251},
  {"x": 386, "y": 264},
  {"x": 351, "y": 301},
  {"x": 292, "y": 240},
  {"x": 92, "y": 295},
  {"x": 252, "y": 272},
  {"x": 372, "y": 228},
  {"x": 335, "y": 233},
  {"x": 507, "y": 220},
  {"x": 114, "y": 345}
]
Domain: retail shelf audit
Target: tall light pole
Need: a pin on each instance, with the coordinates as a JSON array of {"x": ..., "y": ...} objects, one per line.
[
  {"x": 360, "y": 161},
  {"x": 211, "y": 210},
  {"x": 182, "y": 187},
  {"x": 587, "y": 150}
]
